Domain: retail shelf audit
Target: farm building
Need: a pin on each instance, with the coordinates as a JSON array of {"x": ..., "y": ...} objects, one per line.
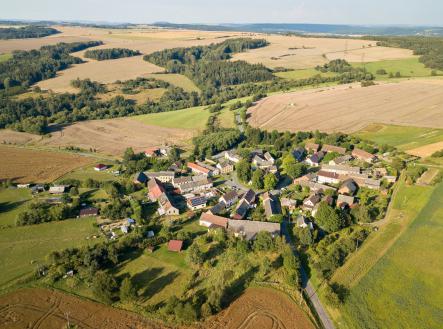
[
  {"x": 344, "y": 201},
  {"x": 231, "y": 156},
  {"x": 214, "y": 171},
  {"x": 155, "y": 189},
  {"x": 175, "y": 245},
  {"x": 100, "y": 167},
  {"x": 90, "y": 211},
  {"x": 328, "y": 177},
  {"x": 349, "y": 187},
  {"x": 363, "y": 155},
  {"x": 311, "y": 202},
  {"x": 315, "y": 159},
  {"x": 340, "y": 160},
  {"x": 166, "y": 207},
  {"x": 312, "y": 147},
  {"x": 58, "y": 189},
  {"x": 199, "y": 170},
  {"x": 248, "y": 229},
  {"x": 195, "y": 186},
  {"x": 225, "y": 166},
  {"x": 212, "y": 221},
  {"x": 162, "y": 176},
  {"x": 241, "y": 210},
  {"x": 332, "y": 148},
  {"x": 218, "y": 208},
  {"x": 341, "y": 169}
]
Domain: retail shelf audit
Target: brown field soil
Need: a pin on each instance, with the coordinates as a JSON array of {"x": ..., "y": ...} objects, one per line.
[
  {"x": 261, "y": 308},
  {"x": 110, "y": 136},
  {"x": 41, "y": 308},
  {"x": 298, "y": 53},
  {"x": 25, "y": 165},
  {"x": 348, "y": 108},
  {"x": 426, "y": 150}
]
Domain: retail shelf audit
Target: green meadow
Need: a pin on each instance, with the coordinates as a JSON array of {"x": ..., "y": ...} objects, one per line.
[
  {"x": 402, "y": 137},
  {"x": 23, "y": 248},
  {"x": 178, "y": 80},
  {"x": 12, "y": 202},
  {"x": 194, "y": 118},
  {"x": 408, "y": 67},
  {"x": 403, "y": 288}
]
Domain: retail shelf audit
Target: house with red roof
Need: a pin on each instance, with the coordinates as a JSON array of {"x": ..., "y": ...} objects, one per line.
[
  {"x": 199, "y": 170},
  {"x": 100, "y": 167},
  {"x": 155, "y": 188},
  {"x": 175, "y": 245}
]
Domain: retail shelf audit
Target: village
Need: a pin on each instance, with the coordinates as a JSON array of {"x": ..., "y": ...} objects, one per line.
[{"x": 211, "y": 190}]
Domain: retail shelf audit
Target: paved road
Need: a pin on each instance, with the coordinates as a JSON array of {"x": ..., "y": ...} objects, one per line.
[{"x": 309, "y": 289}]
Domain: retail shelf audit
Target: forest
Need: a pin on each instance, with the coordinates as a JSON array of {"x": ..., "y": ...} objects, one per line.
[
  {"x": 26, "y": 32},
  {"x": 28, "y": 67},
  {"x": 111, "y": 53},
  {"x": 430, "y": 49}
]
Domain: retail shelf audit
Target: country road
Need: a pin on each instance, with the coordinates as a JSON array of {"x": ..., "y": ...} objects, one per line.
[{"x": 309, "y": 289}]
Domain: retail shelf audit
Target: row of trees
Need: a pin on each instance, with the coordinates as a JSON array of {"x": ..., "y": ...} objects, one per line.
[{"x": 110, "y": 53}]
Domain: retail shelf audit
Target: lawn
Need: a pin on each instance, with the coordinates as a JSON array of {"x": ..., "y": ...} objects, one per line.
[
  {"x": 157, "y": 275},
  {"x": 408, "y": 67},
  {"x": 88, "y": 172},
  {"x": 303, "y": 74},
  {"x": 403, "y": 290},
  {"x": 177, "y": 80},
  {"x": 12, "y": 202},
  {"x": 402, "y": 137},
  {"x": 23, "y": 248}
]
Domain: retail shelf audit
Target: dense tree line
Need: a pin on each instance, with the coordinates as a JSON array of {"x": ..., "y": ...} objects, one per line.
[
  {"x": 430, "y": 49},
  {"x": 89, "y": 87},
  {"x": 133, "y": 86},
  {"x": 40, "y": 212},
  {"x": 28, "y": 67},
  {"x": 212, "y": 143},
  {"x": 26, "y": 32},
  {"x": 111, "y": 53},
  {"x": 207, "y": 65}
]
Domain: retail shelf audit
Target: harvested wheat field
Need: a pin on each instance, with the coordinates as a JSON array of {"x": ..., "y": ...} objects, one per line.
[
  {"x": 26, "y": 166},
  {"x": 351, "y": 108},
  {"x": 113, "y": 136},
  {"x": 297, "y": 52},
  {"x": 41, "y": 308},
  {"x": 426, "y": 150},
  {"x": 261, "y": 308},
  {"x": 101, "y": 71}
]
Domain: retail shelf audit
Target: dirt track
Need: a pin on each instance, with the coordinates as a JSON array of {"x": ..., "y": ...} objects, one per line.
[{"x": 346, "y": 109}]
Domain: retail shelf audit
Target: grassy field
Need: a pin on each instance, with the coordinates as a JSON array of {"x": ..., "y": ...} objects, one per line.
[
  {"x": 178, "y": 80},
  {"x": 22, "y": 248},
  {"x": 402, "y": 137},
  {"x": 303, "y": 74},
  {"x": 11, "y": 203},
  {"x": 5, "y": 57},
  {"x": 408, "y": 67},
  {"x": 84, "y": 173},
  {"x": 403, "y": 290},
  {"x": 194, "y": 118}
]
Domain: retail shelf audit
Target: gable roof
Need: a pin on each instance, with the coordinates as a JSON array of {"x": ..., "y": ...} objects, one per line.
[
  {"x": 328, "y": 174},
  {"x": 359, "y": 153},
  {"x": 249, "y": 229},
  {"x": 333, "y": 148},
  {"x": 231, "y": 195},
  {"x": 214, "y": 220},
  {"x": 175, "y": 245},
  {"x": 155, "y": 188},
  {"x": 249, "y": 197},
  {"x": 90, "y": 211},
  {"x": 197, "y": 201},
  {"x": 345, "y": 199},
  {"x": 241, "y": 210},
  {"x": 198, "y": 168}
]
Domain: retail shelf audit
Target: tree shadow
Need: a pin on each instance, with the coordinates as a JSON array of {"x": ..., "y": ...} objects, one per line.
[
  {"x": 143, "y": 278},
  {"x": 238, "y": 286},
  {"x": 9, "y": 206},
  {"x": 158, "y": 284}
]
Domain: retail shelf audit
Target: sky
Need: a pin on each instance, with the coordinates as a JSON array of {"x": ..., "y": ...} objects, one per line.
[{"x": 356, "y": 12}]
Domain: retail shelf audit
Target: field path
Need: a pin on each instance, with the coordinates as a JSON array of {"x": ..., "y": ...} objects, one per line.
[{"x": 309, "y": 289}]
